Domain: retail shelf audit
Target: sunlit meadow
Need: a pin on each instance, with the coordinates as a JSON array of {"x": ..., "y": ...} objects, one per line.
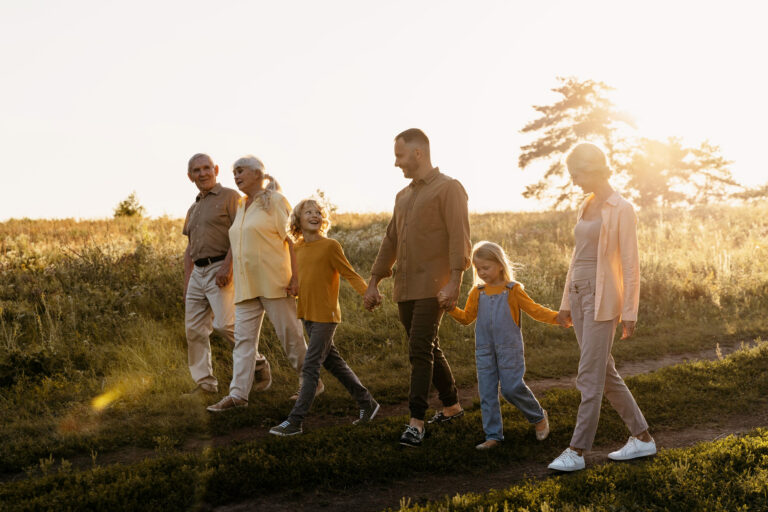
[{"x": 93, "y": 350}]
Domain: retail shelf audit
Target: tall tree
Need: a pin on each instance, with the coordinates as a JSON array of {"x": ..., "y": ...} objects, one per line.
[
  {"x": 583, "y": 112},
  {"x": 650, "y": 171}
]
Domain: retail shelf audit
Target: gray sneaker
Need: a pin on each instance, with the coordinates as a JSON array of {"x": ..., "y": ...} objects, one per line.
[
  {"x": 286, "y": 428},
  {"x": 368, "y": 413},
  {"x": 262, "y": 376}
]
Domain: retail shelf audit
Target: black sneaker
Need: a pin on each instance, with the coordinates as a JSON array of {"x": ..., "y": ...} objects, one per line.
[
  {"x": 286, "y": 428},
  {"x": 439, "y": 418},
  {"x": 368, "y": 413},
  {"x": 411, "y": 437}
]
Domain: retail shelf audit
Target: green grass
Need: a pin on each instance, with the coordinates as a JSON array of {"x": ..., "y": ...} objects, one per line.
[
  {"x": 676, "y": 397},
  {"x": 726, "y": 475},
  {"x": 95, "y": 306}
]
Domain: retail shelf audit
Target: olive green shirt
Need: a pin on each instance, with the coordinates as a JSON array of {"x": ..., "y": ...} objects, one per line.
[
  {"x": 208, "y": 221},
  {"x": 427, "y": 237}
]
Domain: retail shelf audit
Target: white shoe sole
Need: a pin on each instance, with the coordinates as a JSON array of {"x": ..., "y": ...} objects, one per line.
[
  {"x": 562, "y": 468},
  {"x": 636, "y": 455}
]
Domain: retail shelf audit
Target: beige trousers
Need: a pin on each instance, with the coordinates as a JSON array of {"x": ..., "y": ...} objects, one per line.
[
  {"x": 207, "y": 308},
  {"x": 249, "y": 315},
  {"x": 597, "y": 371}
]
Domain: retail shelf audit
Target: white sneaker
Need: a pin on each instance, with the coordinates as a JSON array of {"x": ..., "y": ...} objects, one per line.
[
  {"x": 633, "y": 449},
  {"x": 569, "y": 460}
]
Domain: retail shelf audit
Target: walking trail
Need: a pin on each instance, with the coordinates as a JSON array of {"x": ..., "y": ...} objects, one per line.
[{"x": 424, "y": 488}]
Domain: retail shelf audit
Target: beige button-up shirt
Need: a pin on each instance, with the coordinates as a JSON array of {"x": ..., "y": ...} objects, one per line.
[
  {"x": 261, "y": 261},
  {"x": 427, "y": 237},
  {"x": 208, "y": 221},
  {"x": 617, "y": 283}
]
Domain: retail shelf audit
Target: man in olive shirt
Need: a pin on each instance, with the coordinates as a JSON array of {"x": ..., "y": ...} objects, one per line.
[
  {"x": 428, "y": 240},
  {"x": 208, "y": 290}
]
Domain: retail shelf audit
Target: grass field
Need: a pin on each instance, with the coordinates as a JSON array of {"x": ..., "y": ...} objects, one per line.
[{"x": 93, "y": 355}]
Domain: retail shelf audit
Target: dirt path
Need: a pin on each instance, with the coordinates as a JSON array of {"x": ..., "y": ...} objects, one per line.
[
  {"x": 467, "y": 395},
  {"x": 429, "y": 488}
]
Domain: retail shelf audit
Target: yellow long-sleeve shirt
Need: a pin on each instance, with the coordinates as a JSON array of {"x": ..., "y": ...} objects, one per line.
[
  {"x": 518, "y": 300},
  {"x": 320, "y": 263}
]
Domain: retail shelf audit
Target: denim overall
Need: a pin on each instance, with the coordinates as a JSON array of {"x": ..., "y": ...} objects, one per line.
[{"x": 499, "y": 357}]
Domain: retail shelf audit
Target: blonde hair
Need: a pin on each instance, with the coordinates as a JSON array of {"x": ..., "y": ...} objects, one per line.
[
  {"x": 490, "y": 251},
  {"x": 256, "y": 165},
  {"x": 294, "y": 225},
  {"x": 588, "y": 157}
]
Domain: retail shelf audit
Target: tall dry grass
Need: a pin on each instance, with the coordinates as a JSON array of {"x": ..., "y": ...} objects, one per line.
[{"x": 93, "y": 309}]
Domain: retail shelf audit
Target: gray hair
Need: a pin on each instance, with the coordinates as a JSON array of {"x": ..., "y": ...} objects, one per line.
[
  {"x": 195, "y": 157},
  {"x": 256, "y": 165}
]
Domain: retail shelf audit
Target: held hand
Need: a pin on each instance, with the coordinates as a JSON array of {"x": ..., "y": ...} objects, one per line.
[
  {"x": 448, "y": 296},
  {"x": 628, "y": 328},
  {"x": 564, "y": 318},
  {"x": 293, "y": 287},
  {"x": 223, "y": 276},
  {"x": 372, "y": 298}
]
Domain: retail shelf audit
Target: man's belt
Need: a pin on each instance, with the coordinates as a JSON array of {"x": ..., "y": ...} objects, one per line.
[{"x": 204, "y": 262}]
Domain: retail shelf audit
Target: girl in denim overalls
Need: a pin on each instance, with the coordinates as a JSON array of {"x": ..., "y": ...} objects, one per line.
[{"x": 496, "y": 302}]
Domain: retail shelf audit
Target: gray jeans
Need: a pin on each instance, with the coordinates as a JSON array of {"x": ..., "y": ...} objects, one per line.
[{"x": 322, "y": 351}]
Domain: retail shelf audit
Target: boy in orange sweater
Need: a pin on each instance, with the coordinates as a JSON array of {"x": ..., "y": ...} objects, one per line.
[{"x": 320, "y": 262}]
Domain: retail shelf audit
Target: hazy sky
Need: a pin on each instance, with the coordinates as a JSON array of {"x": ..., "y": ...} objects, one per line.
[{"x": 102, "y": 98}]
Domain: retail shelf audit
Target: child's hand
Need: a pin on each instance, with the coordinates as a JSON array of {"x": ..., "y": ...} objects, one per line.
[
  {"x": 564, "y": 318},
  {"x": 445, "y": 301}
]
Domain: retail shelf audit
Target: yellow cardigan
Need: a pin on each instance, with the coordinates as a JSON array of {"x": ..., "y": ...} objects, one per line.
[
  {"x": 261, "y": 261},
  {"x": 320, "y": 263}
]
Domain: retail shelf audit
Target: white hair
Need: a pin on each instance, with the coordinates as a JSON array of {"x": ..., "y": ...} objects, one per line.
[{"x": 256, "y": 165}]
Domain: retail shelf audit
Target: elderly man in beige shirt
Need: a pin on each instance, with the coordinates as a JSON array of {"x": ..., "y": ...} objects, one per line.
[
  {"x": 428, "y": 240},
  {"x": 208, "y": 291}
]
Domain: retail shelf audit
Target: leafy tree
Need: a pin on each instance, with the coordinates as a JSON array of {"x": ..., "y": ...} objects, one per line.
[
  {"x": 129, "y": 207},
  {"x": 583, "y": 113},
  {"x": 650, "y": 171},
  {"x": 753, "y": 194}
]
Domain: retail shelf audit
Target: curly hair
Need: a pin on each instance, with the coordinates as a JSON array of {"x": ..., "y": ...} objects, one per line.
[{"x": 295, "y": 223}]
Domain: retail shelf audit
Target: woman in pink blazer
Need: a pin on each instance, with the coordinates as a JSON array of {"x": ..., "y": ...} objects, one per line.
[{"x": 602, "y": 288}]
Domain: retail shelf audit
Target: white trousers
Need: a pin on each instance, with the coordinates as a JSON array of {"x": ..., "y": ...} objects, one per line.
[
  {"x": 207, "y": 308},
  {"x": 249, "y": 315}
]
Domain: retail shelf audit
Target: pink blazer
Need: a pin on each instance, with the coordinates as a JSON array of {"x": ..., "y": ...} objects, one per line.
[{"x": 617, "y": 286}]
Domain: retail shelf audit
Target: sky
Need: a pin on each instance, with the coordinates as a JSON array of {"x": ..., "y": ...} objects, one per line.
[{"x": 99, "y": 99}]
